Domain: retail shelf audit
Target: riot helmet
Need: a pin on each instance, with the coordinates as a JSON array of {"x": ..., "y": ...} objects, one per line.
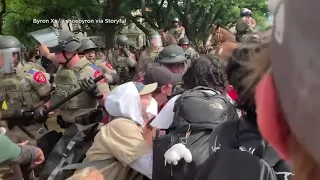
[
  {"x": 154, "y": 38},
  {"x": 175, "y": 20},
  {"x": 122, "y": 40},
  {"x": 245, "y": 12},
  {"x": 88, "y": 44},
  {"x": 172, "y": 54},
  {"x": 173, "y": 57},
  {"x": 184, "y": 41},
  {"x": 88, "y": 48},
  {"x": 67, "y": 42},
  {"x": 11, "y": 53}
]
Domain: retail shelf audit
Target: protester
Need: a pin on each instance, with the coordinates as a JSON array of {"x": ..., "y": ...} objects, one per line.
[
  {"x": 22, "y": 154},
  {"x": 248, "y": 136},
  {"x": 205, "y": 71},
  {"x": 165, "y": 79},
  {"x": 189, "y": 119},
  {"x": 131, "y": 106},
  {"x": 287, "y": 96}
]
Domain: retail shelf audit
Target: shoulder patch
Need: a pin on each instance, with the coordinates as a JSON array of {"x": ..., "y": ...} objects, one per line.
[
  {"x": 108, "y": 65},
  {"x": 97, "y": 72},
  {"x": 38, "y": 76}
]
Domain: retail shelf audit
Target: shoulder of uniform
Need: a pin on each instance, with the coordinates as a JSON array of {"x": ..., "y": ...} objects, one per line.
[
  {"x": 32, "y": 71},
  {"x": 108, "y": 65},
  {"x": 93, "y": 66},
  {"x": 37, "y": 75}
]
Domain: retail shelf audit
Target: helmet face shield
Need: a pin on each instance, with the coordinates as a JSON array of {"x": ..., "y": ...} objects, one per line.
[
  {"x": 9, "y": 58},
  {"x": 155, "y": 40}
]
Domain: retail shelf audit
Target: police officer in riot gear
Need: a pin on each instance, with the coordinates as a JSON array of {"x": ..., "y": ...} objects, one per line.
[
  {"x": 90, "y": 50},
  {"x": 177, "y": 30},
  {"x": 190, "y": 52},
  {"x": 123, "y": 60},
  {"x": 22, "y": 88},
  {"x": 149, "y": 55},
  {"x": 73, "y": 74},
  {"x": 243, "y": 24}
]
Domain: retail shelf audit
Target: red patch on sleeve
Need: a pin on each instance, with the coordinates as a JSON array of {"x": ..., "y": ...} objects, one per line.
[
  {"x": 39, "y": 77},
  {"x": 109, "y": 65},
  {"x": 97, "y": 74}
]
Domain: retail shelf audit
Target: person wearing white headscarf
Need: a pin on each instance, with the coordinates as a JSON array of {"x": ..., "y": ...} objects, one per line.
[{"x": 130, "y": 106}]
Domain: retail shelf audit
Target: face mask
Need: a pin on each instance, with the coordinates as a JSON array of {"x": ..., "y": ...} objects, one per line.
[{"x": 152, "y": 109}]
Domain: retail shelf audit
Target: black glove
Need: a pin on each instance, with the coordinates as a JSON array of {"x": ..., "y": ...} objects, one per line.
[
  {"x": 51, "y": 78},
  {"x": 91, "y": 88},
  {"x": 40, "y": 114},
  {"x": 126, "y": 52},
  {"x": 22, "y": 116},
  {"x": 22, "y": 112}
]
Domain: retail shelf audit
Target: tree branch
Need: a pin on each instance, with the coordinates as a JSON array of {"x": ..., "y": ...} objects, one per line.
[
  {"x": 187, "y": 7},
  {"x": 168, "y": 13},
  {"x": 176, "y": 7},
  {"x": 146, "y": 16},
  {"x": 4, "y": 8},
  {"x": 135, "y": 21}
]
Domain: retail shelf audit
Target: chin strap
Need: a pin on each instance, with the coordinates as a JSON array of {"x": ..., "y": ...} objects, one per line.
[{"x": 68, "y": 59}]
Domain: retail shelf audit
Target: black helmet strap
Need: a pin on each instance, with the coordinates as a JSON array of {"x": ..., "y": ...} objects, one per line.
[{"x": 68, "y": 59}]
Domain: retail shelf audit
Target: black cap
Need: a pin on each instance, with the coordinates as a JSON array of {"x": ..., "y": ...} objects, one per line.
[{"x": 161, "y": 75}]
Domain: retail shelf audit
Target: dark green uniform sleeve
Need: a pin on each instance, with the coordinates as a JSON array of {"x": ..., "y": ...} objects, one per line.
[{"x": 9, "y": 151}]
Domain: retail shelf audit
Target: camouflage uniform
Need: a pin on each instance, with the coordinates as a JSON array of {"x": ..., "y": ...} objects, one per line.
[
  {"x": 176, "y": 32},
  {"x": 242, "y": 26},
  {"x": 100, "y": 61},
  {"x": 123, "y": 60},
  {"x": 21, "y": 86},
  {"x": 189, "y": 51},
  {"x": 67, "y": 81},
  {"x": 148, "y": 57}
]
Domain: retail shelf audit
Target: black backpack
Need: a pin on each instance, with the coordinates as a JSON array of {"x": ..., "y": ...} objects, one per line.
[
  {"x": 238, "y": 152},
  {"x": 70, "y": 149},
  {"x": 197, "y": 113}
]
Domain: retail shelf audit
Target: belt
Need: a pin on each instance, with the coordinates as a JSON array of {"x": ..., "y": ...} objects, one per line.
[{"x": 86, "y": 119}]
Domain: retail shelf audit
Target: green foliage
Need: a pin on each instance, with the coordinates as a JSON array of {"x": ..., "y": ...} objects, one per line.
[{"x": 196, "y": 15}]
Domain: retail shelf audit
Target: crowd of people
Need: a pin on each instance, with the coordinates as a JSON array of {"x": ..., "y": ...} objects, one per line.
[{"x": 166, "y": 113}]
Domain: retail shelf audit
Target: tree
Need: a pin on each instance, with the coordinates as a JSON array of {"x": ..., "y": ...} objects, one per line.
[
  {"x": 196, "y": 16},
  {"x": 22, "y": 19}
]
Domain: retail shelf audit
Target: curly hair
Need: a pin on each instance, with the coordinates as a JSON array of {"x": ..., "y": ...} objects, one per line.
[
  {"x": 205, "y": 71},
  {"x": 239, "y": 73}
]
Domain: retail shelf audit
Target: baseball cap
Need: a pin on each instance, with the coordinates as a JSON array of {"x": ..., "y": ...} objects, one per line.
[
  {"x": 145, "y": 88},
  {"x": 161, "y": 75}
]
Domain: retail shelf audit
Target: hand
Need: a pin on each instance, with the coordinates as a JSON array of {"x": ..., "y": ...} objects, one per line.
[
  {"x": 40, "y": 157},
  {"x": 94, "y": 175},
  {"x": 127, "y": 52},
  {"x": 44, "y": 50},
  {"x": 30, "y": 154},
  {"x": 91, "y": 88},
  {"x": 40, "y": 114}
]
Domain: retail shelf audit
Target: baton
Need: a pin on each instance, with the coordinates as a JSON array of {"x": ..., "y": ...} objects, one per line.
[{"x": 70, "y": 96}]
